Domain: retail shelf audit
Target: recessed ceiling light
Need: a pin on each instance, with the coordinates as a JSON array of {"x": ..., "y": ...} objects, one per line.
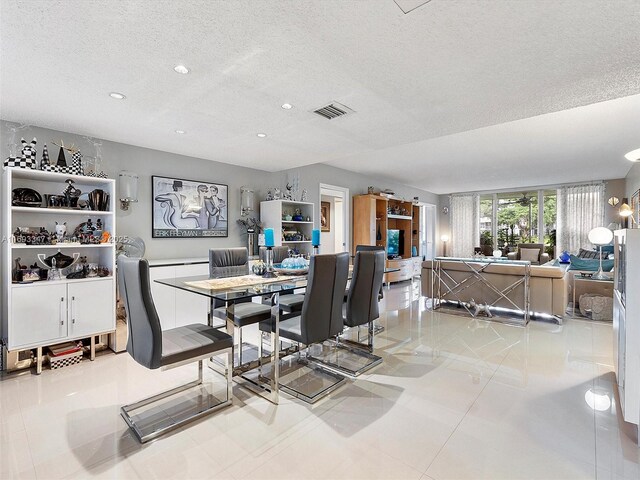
[
  {"x": 287, "y": 106},
  {"x": 181, "y": 69},
  {"x": 262, "y": 135},
  {"x": 117, "y": 96},
  {"x": 180, "y": 132},
  {"x": 633, "y": 155}
]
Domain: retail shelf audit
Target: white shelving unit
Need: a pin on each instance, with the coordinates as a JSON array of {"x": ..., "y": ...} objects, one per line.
[
  {"x": 626, "y": 322},
  {"x": 43, "y": 313},
  {"x": 272, "y": 213}
]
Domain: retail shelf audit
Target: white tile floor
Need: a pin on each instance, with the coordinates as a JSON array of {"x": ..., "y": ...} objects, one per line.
[{"x": 454, "y": 398}]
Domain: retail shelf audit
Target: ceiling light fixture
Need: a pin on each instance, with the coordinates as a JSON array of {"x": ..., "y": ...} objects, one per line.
[
  {"x": 180, "y": 132},
  {"x": 633, "y": 155},
  {"x": 181, "y": 69},
  {"x": 262, "y": 135},
  {"x": 287, "y": 106},
  {"x": 117, "y": 96}
]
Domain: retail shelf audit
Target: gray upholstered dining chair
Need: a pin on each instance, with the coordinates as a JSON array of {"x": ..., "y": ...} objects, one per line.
[
  {"x": 351, "y": 357},
  {"x": 152, "y": 348},
  {"x": 235, "y": 261},
  {"x": 321, "y": 316},
  {"x": 373, "y": 248},
  {"x": 279, "y": 253},
  {"x": 289, "y": 302}
]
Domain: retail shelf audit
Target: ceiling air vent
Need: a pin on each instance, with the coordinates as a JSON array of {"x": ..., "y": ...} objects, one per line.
[{"x": 333, "y": 110}]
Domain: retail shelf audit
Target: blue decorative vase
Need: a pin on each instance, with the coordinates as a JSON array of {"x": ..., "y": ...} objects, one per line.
[{"x": 565, "y": 257}]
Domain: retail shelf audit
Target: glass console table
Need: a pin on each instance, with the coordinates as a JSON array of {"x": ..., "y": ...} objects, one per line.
[{"x": 470, "y": 283}]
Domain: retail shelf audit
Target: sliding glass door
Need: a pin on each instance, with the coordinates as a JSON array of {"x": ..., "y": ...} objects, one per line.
[{"x": 510, "y": 218}]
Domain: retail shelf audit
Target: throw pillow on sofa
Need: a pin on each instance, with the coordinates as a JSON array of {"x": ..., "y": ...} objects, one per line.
[
  {"x": 584, "y": 253},
  {"x": 589, "y": 264}
]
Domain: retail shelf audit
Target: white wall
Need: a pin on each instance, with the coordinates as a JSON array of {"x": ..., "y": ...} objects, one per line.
[{"x": 632, "y": 180}]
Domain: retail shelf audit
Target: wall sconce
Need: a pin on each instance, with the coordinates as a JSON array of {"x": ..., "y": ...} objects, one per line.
[
  {"x": 626, "y": 212},
  {"x": 246, "y": 201},
  {"x": 127, "y": 189}
]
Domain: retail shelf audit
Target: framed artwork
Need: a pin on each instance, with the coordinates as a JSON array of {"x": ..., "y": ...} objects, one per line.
[
  {"x": 188, "y": 208},
  {"x": 325, "y": 216},
  {"x": 635, "y": 206}
]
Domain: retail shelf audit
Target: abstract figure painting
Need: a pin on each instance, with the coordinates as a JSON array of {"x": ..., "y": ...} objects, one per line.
[{"x": 188, "y": 209}]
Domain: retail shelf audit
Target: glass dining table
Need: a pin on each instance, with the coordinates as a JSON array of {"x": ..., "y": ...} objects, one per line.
[{"x": 231, "y": 287}]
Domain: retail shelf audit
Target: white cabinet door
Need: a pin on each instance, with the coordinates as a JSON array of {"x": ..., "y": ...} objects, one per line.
[
  {"x": 38, "y": 314},
  {"x": 190, "y": 307},
  {"x": 91, "y": 308},
  {"x": 164, "y": 297}
]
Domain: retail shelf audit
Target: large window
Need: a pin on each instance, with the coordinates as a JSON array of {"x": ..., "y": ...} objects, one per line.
[
  {"x": 517, "y": 218},
  {"x": 487, "y": 243},
  {"x": 550, "y": 220},
  {"x": 507, "y": 219}
]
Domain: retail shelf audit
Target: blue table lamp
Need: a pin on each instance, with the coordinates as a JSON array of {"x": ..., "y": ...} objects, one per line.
[
  {"x": 269, "y": 242},
  {"x": 315, "y": 241}
]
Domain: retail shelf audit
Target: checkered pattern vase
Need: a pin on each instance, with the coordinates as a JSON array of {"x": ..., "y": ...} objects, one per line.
[{"x": 75, "y": 168}]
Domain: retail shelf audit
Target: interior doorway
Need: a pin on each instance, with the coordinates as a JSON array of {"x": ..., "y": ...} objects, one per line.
[
  {"x": 334, "y": 218},
  {"x": 427, "y": 231}
]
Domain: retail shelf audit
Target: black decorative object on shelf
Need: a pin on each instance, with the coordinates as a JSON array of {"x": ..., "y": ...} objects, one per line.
[
  {"x": 62, "y": 160},
  {"x": 25, "y": 197}
]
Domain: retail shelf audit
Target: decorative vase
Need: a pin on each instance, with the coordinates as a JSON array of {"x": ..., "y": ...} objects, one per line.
[
  {"x": 259, "y": 268},
  {"x": 565, "y": 257}
]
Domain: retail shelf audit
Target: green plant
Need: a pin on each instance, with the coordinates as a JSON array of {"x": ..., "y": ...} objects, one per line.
[{"x": 486, "y": 238}]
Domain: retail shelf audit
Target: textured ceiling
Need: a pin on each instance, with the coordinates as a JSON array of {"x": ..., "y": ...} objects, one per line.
[{"x": 444, "y": 68}]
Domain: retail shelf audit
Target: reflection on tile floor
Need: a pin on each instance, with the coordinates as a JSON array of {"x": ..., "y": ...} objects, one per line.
[{"x": 454, "y": 398}]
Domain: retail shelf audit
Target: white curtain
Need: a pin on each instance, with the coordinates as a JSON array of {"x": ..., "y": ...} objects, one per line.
[
  {"x": 465, "y": 224},
  {"x": 580, "y": 208}
]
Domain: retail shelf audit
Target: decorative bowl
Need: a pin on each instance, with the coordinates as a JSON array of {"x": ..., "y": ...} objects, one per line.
[
  {"x": 290, "y": 270},
  {"x": 26, "y": 197}
]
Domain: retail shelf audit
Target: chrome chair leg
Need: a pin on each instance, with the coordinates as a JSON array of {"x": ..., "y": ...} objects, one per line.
[{"x": 152, "y": 424}]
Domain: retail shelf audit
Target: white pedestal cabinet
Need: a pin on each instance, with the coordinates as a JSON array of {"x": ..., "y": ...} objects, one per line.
[
  {"x": 46, "y": 312},
  {"x": 626, "y": 322}
]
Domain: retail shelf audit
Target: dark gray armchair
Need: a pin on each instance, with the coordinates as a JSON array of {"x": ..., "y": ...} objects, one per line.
[{"x": 152, "y": 348}]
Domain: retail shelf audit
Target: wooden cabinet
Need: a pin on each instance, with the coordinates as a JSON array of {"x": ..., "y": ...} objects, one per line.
[
  {"x": 405, "y": 273},
  {"x": 375, "y": 218}
]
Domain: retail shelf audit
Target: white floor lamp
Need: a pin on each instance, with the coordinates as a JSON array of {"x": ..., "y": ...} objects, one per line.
[{"x": 600, "y": 236}]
